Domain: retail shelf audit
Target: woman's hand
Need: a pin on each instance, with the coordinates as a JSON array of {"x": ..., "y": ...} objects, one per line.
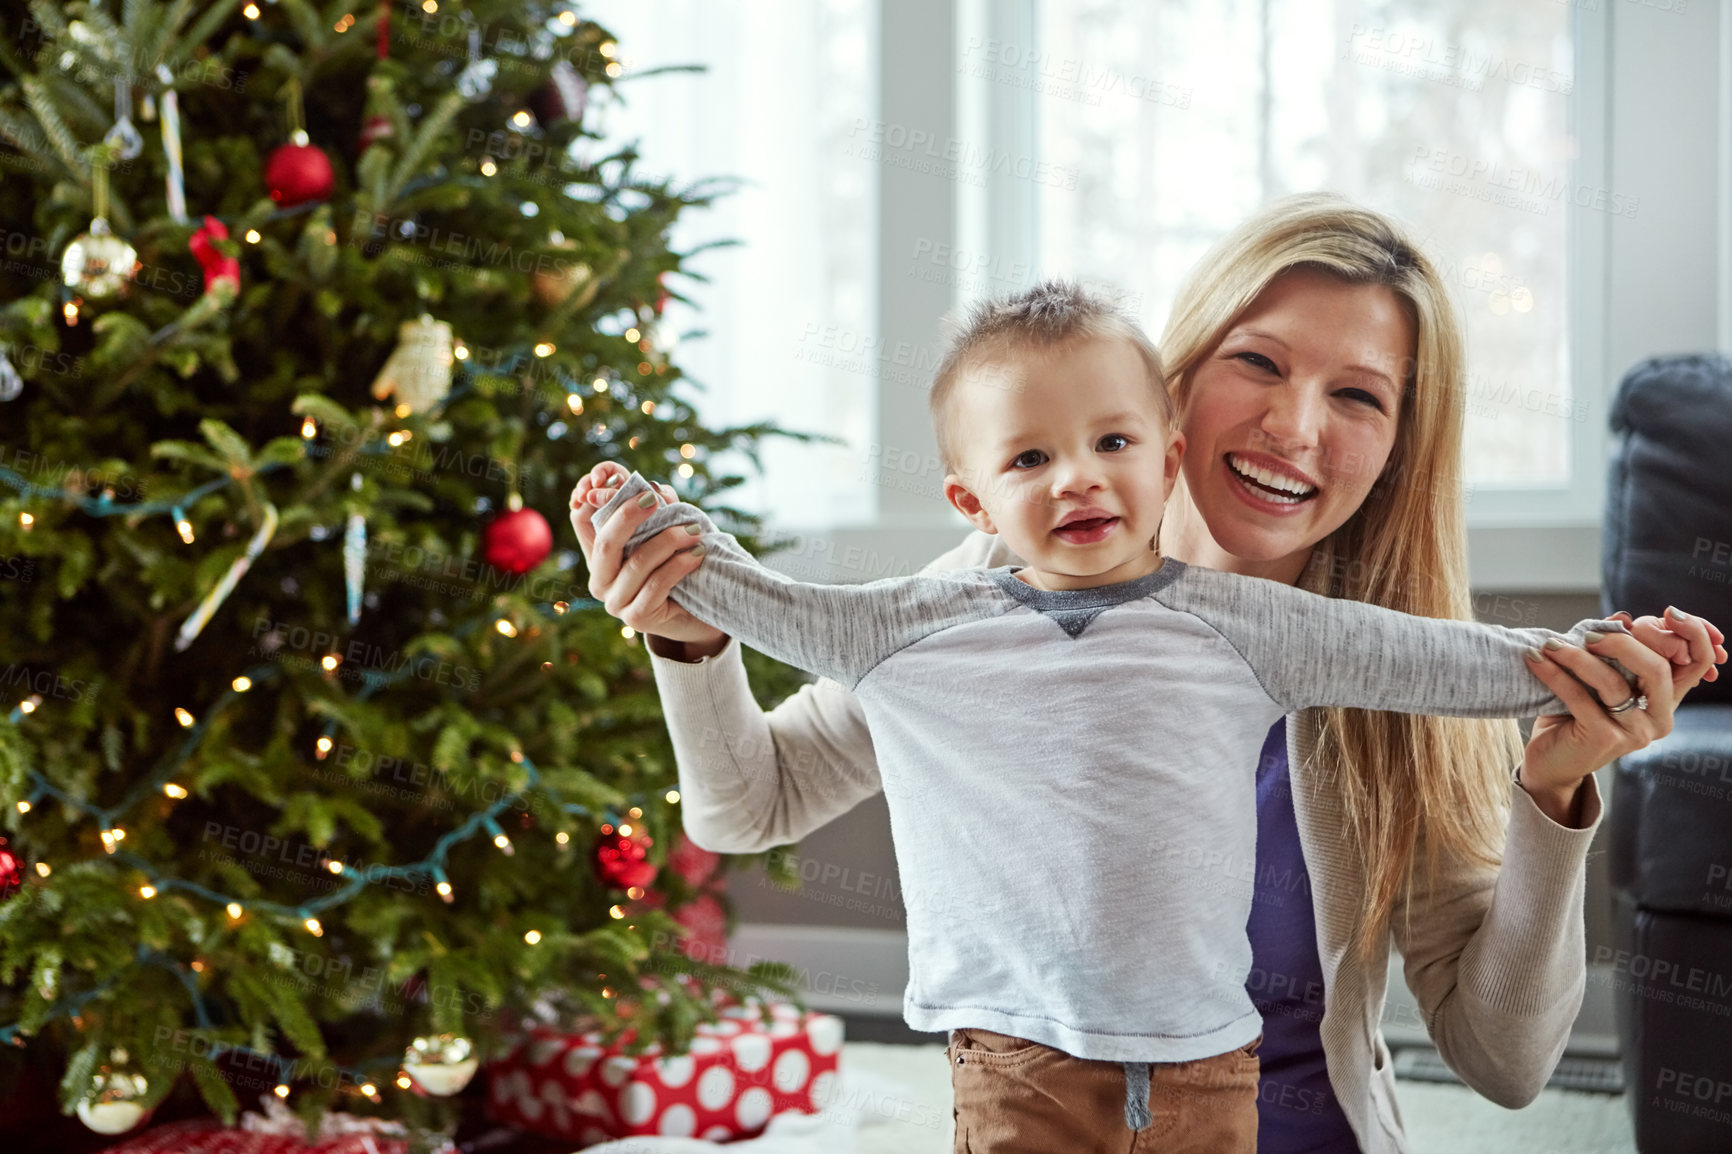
[
  {"x": 635, "y": 590},
  {"x": 1669, "y": 657}
]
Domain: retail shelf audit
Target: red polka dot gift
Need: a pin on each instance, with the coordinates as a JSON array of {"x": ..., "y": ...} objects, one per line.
[{"x": 739, "y": 1073}]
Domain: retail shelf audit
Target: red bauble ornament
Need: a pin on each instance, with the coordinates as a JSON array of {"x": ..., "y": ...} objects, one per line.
[
  {"x": 11, "y": 871},
  {"x": 562, "y": 98},
  {"x": 219, "y": 268},
  {"x": 516, "y": 542},
  {"x": 622, "y": 862},
  {"x": 298, "y": 172}
]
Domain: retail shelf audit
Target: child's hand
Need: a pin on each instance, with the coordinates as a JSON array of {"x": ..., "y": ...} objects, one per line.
[{"x": 636, "y": 589}]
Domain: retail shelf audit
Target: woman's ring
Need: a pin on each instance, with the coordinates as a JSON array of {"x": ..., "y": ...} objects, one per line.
[{"x": 1632, "y": 702}]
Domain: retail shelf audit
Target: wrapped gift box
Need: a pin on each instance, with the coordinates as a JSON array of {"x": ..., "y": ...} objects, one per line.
[
  {"x": 738, "y": 1074},
  {"x": 202, "y": 1136}
]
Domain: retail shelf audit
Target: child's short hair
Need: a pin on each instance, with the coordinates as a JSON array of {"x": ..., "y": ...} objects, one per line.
[{"x": 1053, "y": 312}]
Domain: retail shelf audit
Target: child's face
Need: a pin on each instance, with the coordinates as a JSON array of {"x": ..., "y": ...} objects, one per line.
[{"x": 1064, "y": 453}]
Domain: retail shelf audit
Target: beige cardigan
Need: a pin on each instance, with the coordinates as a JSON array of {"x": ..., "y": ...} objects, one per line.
[{"x": 1495, "y": 958}]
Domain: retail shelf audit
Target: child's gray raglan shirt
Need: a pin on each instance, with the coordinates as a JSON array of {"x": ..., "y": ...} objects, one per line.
[{"x": 1071, "y": 775}]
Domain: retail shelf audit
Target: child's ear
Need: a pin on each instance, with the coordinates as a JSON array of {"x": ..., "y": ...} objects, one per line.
[
  {"x": 1175, "y": 454},
  {"x": 966, "y": 503}
]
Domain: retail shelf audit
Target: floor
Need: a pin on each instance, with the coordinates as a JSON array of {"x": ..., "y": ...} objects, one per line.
[{"x": 903, "y": 1092}]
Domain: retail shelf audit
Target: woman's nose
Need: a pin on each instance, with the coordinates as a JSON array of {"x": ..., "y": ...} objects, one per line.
[{"x": 1294, "y": 418}]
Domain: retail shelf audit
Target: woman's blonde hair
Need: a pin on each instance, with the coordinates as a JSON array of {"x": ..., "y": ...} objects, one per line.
[{"x": 1404, "y": 781}]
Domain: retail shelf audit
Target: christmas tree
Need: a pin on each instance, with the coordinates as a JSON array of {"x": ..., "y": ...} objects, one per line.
[{"x": 319, "y": 761}]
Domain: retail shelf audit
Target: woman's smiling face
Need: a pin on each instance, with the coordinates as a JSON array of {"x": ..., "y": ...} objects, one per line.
[{"x": 1293, "y": 416}]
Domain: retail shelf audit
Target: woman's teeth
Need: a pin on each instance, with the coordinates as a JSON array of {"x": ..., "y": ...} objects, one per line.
[{"x": 1273, "y": 486}]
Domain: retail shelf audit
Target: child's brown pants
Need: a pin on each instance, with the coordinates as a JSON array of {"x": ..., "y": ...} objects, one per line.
[{"x": 1019, "y": 1097}]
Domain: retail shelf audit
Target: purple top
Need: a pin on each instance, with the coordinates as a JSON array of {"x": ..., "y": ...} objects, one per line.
[{"x": 1296, "y": 1109}]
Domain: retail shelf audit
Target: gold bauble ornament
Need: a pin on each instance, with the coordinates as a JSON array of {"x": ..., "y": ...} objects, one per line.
[
  {"x": 115, "y": 1101},
  {"x": 97, "y": 264},
  {"x": 418, "y": 370},
  {"x": 557, "y": 278},
  {"x": 441, "y": 1064}
]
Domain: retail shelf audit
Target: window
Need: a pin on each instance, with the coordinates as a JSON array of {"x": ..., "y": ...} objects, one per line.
[
  {"x": 1174, "y": 121},
  {"x": 781, "y": 318}
]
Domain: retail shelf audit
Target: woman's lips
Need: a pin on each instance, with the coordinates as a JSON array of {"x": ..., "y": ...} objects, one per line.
[
  {"x": 1087, "y": 532},
  {"x": 1262, "y": 497}
]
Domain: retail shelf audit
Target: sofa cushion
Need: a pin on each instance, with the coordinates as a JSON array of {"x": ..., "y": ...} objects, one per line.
[{"x": 1668, "y": 520}]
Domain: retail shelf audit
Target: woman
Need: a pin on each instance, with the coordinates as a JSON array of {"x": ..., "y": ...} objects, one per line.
[{"x": 1317, "y": 367}]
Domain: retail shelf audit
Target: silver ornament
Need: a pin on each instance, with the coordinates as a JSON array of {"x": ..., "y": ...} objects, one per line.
[
  {"x": 114, "y": 1103},
  {"x": 97, "y": 263},
  {"x": 11, "y": 384},
  {"x": 476, "y": 79},
  {"x": 124, "y": 137},
  {"x": 441, "y": 1064}
]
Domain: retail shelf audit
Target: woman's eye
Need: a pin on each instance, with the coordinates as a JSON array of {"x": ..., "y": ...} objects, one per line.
[
  {"x": 1028, "y": 459},
  {"x": 1364, "y": 397},
  {"x": 1259, "y": 360},
  {"x": 1123, "y": 440}
]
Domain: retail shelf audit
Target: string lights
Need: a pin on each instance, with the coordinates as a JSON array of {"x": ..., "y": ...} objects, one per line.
[{"x": 113, "y": 834}]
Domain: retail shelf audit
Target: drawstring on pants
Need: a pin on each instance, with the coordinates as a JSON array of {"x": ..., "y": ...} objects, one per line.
[{"x": 1137, "y": 1115}]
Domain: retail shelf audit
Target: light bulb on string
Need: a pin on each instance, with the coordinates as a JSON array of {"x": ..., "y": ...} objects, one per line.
[
  {"x": 184, "y": 717},
  {"x": 172, "y": 790},
  {"x": 23, "y": 807}
]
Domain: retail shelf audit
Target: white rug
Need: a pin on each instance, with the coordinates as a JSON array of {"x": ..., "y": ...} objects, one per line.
[{"x": 1440, "y": 1119}]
